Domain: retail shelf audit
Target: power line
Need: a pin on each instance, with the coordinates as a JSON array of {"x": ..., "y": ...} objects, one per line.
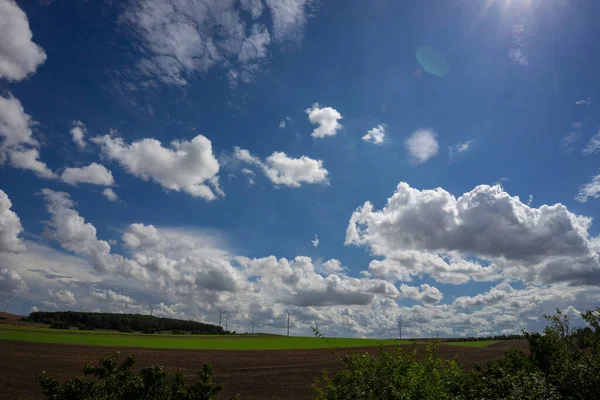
[{"x": 220, "y": 314}]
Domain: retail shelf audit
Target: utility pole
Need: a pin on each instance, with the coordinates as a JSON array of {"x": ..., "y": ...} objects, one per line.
[
  {"x": 288, "y": 322},
  {"x": 8, "y": 303}
]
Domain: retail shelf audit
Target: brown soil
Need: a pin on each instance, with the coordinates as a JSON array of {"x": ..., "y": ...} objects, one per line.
[{"x": 252, "y": 374}]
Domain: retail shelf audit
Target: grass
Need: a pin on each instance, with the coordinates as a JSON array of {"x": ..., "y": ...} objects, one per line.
[
  {"x": 196, "y": 342},
  {"x": 479, "y": 343}
]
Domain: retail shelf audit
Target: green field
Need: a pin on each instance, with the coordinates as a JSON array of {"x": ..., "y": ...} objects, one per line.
[{"x": 195, "y": 342}]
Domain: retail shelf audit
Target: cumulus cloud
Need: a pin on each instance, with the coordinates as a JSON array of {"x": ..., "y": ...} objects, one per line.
[
  {"x": 28, "y": 159},
  {"x": 590, "y": 189},
  {"x": 78, "y": 133},
  {"x": 11, "y": 282},
  {"x": 419, "y": 227},
  {"x": 110, "y": 194},
  {"x": 422, "y": 145},
  {"x": 74, "y": 234},
  {"x": 112, "y": 297},
  {"x": 327, "y": 118},
  {"x": 593, "y": 145},
  {"x": 424, "y": 293},
  {"x": 62, "y": 296},
  {"x": 15, "y": 124},
  {"x": 19, "y": 56},
  {"x": 17, "y": 138},
  {"x": 10, "y": 227},
  {"x": 94, "y": 174},
  {"x": 284, "y": 170},
  {"x": 375, "y": 135},
  {"x": 180, "y": 39},
  {"x": 186, "y": 166}
]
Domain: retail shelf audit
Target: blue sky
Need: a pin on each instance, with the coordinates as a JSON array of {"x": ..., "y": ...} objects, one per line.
[{"x": 188, "y": 153}]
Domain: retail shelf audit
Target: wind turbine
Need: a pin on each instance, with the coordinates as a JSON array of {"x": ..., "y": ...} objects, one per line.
[
  {"x": 288, "y": 324},
  {"x": 227, "y": 320},
  {"x": 221, "y": 312},
  {"x": 253, "y": 321},
  {"x": 8, "y": 303}
]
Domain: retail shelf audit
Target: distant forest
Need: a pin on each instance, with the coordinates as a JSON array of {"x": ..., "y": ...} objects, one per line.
[{"x": 121, "y": 322}]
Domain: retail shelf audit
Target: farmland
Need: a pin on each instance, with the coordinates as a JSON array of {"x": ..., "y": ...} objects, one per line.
[
  {"x": 190, "y": 342},
  {"x": 254, "y": 366}
]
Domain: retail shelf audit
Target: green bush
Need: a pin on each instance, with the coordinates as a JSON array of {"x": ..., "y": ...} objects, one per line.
[
  {"x": 114, "y": 381},
  {"x": 59, "y": 325},
  {"x": 562, "y": 364},
  {"x": 395, "y": 374}
]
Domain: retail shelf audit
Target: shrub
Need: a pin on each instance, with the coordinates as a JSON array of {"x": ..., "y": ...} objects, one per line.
[
  {"x": 562, "y": 365},
  {"x": 395, "y": 374},
  {"x": 117, "y": 382},
  {"x": 59, "y": 325}
]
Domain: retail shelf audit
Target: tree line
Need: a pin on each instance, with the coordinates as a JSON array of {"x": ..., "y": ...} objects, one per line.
[{"x": 121, "y": 322}]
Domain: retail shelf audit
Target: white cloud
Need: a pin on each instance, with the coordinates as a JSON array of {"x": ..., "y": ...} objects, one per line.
[
  {"x": 78, "y": 133},
  {"x": 189, "y": 166},
  {"x": 282, "y": 124},
  {"x": 593, "y": 145},
  {"x": 425, "y": 293},
  {"x": 375, "y": 135},
  {"x": 11, "y": 282},
  {"x": 422, "y": 145},
  {"x": 284, "y": 170},
  {"x": 181, "y": 39},
  {"x": 110, "y": 194},
  {"x": 28, "y": 159},
  {"x": 517, "y": 52},
  {"x": 254, "y": 7},
  {"x": 530, "y": 200},
  {"x": 17, "y": 138},
  {"x": 315, "y": 241},
  {"x": 112, "y": 297},
  {"x": 590, "y": 189},
  {"x": 19, "y": 56},
  {"x": 429, "y": 231},
  {"x": 74, "y": 234},
  {"x": 255, "y": 45},
  {"x": 289, "y": 18},
  {"x": 568, "y": 140},
  {"x": 460, "y": 148},
  {"x": 94, "y": 174},
  {"x": 10, "y": 227},
  {"x": 327, "y": 118},
  {"x": 584, "y": 102},
  {"x": 186, "y": 272},
  {"x": 15, "y": 124},
  {"x": 62, "y": 296},
  {"x": 332, "y": 266}
]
